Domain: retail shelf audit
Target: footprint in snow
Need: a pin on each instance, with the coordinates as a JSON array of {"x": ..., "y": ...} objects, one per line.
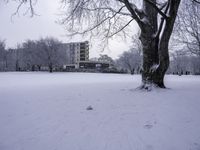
[
  {"x": 89, "y": 108},
  {"x": 148, "y": 126}
]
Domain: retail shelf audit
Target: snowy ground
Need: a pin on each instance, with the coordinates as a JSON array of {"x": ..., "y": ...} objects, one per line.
[{"x": 42, "y": 111}]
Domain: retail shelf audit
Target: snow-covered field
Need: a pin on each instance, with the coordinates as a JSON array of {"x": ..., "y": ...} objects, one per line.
[{"x": 43, "y": 111}]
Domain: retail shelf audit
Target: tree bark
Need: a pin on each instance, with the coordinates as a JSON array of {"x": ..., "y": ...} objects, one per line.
[
  {"x": 151, "y": 75},
  {"x": 150, "y": 48},
  {"x": 155, "y": 45},
  {"x": 50, "y": 67}
]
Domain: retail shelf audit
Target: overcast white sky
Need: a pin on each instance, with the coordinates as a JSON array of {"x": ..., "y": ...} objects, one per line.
[{"x": 24, "y": 27}]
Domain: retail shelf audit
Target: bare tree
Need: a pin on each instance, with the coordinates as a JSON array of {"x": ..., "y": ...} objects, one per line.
[
  {"x": 130, "y": 60},
  {"x": 3, "y": 56},
  {"x": 179, "y": 62},
  {"x": 110, "y": 17},
  {"x": 188, "y": 27},
  {"x": 51, "y": 55},
  {"x": 182, "y": 63},
  {"x": 32, "y": 55},
  {"x": 106, "y": 58}
]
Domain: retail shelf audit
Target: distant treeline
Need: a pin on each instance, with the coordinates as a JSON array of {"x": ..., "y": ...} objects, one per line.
[
  {"x": 47, "y": 55},
  {"x": 43, "y": 54}
]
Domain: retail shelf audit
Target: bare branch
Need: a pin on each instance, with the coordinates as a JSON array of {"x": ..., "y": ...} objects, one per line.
[
  {"x": 121, "y": 28},
  {"x": 196, "y": 1},
  {"x": 30, "y": 8},
  {"x": 99, "y": 23},
  {"x": 132, "y": 11},
  {"x": 107, "y": 8},
  {"x": 162, "y": 22}
]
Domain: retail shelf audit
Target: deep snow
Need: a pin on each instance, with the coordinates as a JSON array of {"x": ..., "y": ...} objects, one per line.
[{"x": 42, "y": 111}]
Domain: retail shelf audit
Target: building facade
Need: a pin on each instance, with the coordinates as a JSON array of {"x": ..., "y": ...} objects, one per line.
[
  {"x": 77, "y": 55},
  {"x": 76, "y": 52}
]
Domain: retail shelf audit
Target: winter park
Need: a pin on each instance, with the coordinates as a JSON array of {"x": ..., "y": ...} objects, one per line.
[{"x": 100, "y": 75}]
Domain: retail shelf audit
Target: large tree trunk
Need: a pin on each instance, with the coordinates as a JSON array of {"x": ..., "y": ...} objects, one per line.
[
  {"x": 155, "y": 45},
  {"x": 150, "y": 75},
  {"x": 155, "y": 62}
]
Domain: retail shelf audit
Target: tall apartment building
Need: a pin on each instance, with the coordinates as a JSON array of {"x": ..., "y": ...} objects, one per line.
[{"x": 76, "y": 52}]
